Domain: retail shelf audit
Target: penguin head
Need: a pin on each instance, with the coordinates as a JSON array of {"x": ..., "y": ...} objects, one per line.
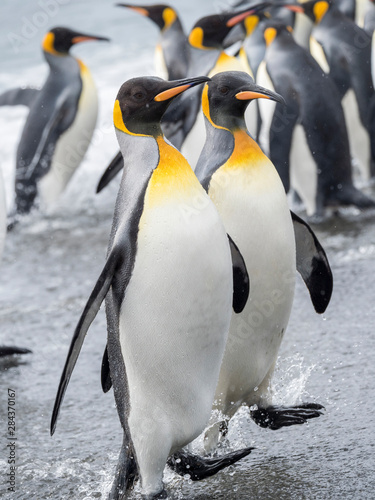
[
  {"x": 141, "y": 103},
  {"x": 313, "y": 9},
  {"x": 276, "y": 28},
  {"x": 210, "y": 32},
  {"x": 162, "y": 15},
  {"x": 58, "y": 41},
  {"x": 226, "y": 97}
]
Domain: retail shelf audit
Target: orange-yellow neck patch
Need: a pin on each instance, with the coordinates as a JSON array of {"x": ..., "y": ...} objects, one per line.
[
  {"x": 48, "y": 44},
  {"x": 206, "y": 108},
  {"x": 172, "y": 180},
  {"x": 119, "y": 122},
  {"x": 196, "y": 38},
  {"x": 169, "y": 17}
]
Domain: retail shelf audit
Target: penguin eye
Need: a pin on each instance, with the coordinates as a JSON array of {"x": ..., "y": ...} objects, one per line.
[
  {"x": 223, "y": 90},
  {"x": 138, "y": 95}
]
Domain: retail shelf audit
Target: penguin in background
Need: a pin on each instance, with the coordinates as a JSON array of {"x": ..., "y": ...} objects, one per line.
[
  {"x": 164, "y": 348},
  {"x": 172, "y": 51},
  {"x": 12, "y": 350},
  {"x": 347, "y": 51},
  {"x": 172, "y": 60},
  {"x": 206, "y": 40},
  {"x": 250, "y": 198},
  {"x": 59, "y": 125},
  {"x": 310, "y": 129}
]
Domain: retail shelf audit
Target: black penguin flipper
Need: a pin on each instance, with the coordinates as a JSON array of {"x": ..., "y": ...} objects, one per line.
[
  {"x": 198, "y": 468},
  {"x": 276, "y": 417},
  {"x": 281, "y": 133},
  {"x": 241, "y": 281},
  {"x": 91, "y": 309},
  {"x": 106, "y": 372},
  {"x": 19, "y": 97},
  {"x": 111, "y": 171},
  {"x": 312, "y": 264},
  {"x": 9, "y": 350}
]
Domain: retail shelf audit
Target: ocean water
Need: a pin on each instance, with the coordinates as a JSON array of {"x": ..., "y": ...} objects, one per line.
[{"x": 51, "y": 262}]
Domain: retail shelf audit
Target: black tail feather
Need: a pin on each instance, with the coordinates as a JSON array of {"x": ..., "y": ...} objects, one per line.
[{"x": 126, "y": 472}]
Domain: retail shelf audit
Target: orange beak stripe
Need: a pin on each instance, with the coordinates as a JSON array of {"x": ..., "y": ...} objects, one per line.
[
  {"x": 78, "y": 39},
  {"x": 168, "y": 94},
  {"x": 140, "y": 10},
  {"x": 240, "y": 17},
  {"x": 295, "y": 8},
  {"x": 247, "y": 95}
]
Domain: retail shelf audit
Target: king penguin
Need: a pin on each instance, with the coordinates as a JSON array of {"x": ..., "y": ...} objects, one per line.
[
  {"x": 309, "y": 133},
  {"x": 172, "y": 54},
  {"x": 347, "y": 51},
  {"x": 250, "y": 198},
  {"x": 59, "y": 125},
  {"x": 169, "y": 292}
]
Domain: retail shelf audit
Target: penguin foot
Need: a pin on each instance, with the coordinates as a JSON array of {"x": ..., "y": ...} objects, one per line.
[
  {"x": 199, "y": 468},
  {"x": 275, "y": 417}
]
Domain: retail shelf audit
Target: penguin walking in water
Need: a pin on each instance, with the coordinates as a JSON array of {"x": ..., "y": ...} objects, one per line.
[
  {"x": 164, "y": 348},
  {"x": 250, "y": 198},
  {"x": 59, "y": 125},
  {"x": 207, "y": 57},
  {"x": 310, "y": 129}
]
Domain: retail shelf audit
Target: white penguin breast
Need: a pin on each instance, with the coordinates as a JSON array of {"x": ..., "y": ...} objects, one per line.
[
  {"x": 175, "y": 316},
  {"x": 255, "y": 213},
  {"x": 72, "y": 144}
]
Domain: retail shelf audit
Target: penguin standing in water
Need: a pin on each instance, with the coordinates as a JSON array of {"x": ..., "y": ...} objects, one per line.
[
  {"x": 164, "y": 348},
  {"x": 60, "y": 123},
  {"x": 172, "y": 52},
  {"x": 250, "y": 198},
  {"x": 310, "y": 129}
]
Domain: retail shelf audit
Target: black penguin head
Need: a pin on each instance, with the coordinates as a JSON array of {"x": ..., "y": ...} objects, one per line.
[
  {"x": 58, "y": 41},
  {"x": 210, "y": 31},
  {"x": 313, "y": 9},
  {"x": 141, "y": 103},
  {"x": 162, "y": 15},
  {"x": 226, "y": 97}
]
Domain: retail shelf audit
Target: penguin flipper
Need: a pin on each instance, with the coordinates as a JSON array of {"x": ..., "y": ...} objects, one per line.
[
  {"x": 91, "y": 309},
  {"x": 106, "y": 372},
  {"x": 19, "y": 97},
  {"x": 312, "y": 264},
  {"x": 280, "y": 136},
  {"x": 276, "y": 417},
  {"x": 9, "y": 350},
  {"x": 111, "y": 171},
  {"x": 241, "y": 281},
  {"x": 198, "y": 468}
]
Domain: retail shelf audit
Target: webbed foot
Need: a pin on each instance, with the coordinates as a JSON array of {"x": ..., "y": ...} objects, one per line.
[{"x": 275, "y": 417}]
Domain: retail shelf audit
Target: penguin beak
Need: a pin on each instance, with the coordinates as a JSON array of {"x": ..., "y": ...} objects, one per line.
[
  {"x": 293, "y": 7},
  {"x": 258, "y": 92},
  {"x": 87, "y": 38},
  {"x": 176, "y": 87},
  {"x": 240, "y": 16},
  {"x": 140, "y": 10}
]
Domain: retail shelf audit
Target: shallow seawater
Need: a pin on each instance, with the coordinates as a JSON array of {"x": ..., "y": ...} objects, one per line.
[{"x": 51, "y": 262}]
